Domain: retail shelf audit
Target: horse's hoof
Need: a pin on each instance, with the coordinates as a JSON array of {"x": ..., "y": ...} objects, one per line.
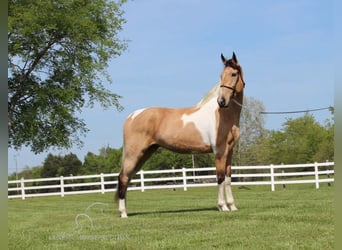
[
  {"x": 232, "y": 207},
  {"x": 123, "y": 215},
  {"x": 223, "y": 208}
]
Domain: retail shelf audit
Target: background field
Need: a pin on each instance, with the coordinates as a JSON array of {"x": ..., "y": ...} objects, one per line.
[{"x": 299, "y": 218}]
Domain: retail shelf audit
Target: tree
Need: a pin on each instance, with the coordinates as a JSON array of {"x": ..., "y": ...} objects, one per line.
[
  {"x": 252, "y": 131},
  {"x": 27, "y": 173},
  {"x": 113, "y": 158},
  {"x": 57, "y": 51},
  {"x": 93, "y": 164},
  {"x": 55, "y": 166},
  {"x": 325, "y": 149},
  {"x": 107, "y": 161},
  {"x": 51, "y": 165},
  {"x": 300, "y": 141},
  {"x": 70, "y": 165}
]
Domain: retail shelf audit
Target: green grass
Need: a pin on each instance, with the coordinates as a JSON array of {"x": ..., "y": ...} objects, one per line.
[{"x": 299, "y": 218}]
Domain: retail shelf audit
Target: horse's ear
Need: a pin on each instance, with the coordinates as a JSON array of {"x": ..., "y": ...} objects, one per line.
[
  {"x": 224, "y": 60},
  {"x": 234, "y": 58}
]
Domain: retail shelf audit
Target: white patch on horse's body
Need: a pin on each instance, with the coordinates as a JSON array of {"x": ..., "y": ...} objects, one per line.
[
  {"x": 205, "y": 121},
  {"x": 136, "y": 113}
]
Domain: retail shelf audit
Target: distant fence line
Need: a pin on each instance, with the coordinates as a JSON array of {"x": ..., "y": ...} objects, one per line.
[{"x": 184, "y": 178}]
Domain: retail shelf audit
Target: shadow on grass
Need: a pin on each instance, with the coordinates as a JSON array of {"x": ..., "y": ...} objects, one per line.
[{"x": 190, "y": 210}]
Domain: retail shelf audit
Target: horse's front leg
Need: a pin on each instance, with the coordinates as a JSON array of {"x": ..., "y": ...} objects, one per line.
[
  {"x": 220, "y": 162},
  {"x": 224, "y": 173},
  {"x": 228, "y": 178},
  {"x": 228, "y": 188},
  {"x": 224, "y": 180}
]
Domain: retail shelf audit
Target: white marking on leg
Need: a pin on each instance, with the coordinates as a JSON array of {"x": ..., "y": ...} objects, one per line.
[
  {"x": 122, "y": 208},
  {"x": 221, "y": 203},
  {"x": 229, "y": 193}
]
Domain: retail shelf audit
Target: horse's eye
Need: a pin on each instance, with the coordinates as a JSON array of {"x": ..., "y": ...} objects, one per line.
[{"x": 234, "y": 74}]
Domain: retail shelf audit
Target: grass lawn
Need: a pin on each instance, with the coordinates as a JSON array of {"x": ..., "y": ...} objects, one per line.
[{"x": 299, "y": 218}]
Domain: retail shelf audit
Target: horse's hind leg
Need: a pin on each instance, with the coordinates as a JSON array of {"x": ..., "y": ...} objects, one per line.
[
  {"x": 131, "y": 163},
  {"x": 123, "y": 181}
]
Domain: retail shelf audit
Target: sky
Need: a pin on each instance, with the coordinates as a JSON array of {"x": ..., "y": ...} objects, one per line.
[{"x": 173, "y": 59}]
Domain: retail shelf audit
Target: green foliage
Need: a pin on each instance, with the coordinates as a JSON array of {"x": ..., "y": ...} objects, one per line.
[
  {"x": 61, "y": 166},
  {"x": 57, "y": 51},
  {"x": 325, "y": 149},
  {"x": 108, "y": 161},
  {"x": 302, "y": 140},
  {"x": 51, "y": 165},
  {"x": 71, "y": 165},
  {"x": 27, "y": 173}
]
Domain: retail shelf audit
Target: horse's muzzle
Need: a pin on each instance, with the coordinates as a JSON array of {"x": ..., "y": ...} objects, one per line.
[{"x": 222, "y": 103}]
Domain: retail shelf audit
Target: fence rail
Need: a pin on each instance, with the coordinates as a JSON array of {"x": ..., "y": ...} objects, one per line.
[{"x": 271, "y": 175}]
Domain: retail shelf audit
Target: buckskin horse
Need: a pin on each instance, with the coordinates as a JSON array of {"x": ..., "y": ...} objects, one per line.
[{"x": 210, "y": 126}]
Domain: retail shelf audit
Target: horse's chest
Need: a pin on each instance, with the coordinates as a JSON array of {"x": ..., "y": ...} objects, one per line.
[{"x": 204, "y": 124}]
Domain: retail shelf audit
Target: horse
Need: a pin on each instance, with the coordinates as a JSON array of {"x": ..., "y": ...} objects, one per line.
[{"x": 211, "y": 126}]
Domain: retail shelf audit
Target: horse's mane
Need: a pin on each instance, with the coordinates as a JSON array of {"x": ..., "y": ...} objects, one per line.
[{"x": 211, "y": 94}]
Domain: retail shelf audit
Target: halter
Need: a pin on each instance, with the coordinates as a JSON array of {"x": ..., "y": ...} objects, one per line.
[
  {"x": 233, "y": 88},
  {"x": 229, "y": 87}
]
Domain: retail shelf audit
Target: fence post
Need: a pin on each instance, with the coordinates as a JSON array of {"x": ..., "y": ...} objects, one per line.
[
  {"x": 142, "y": 181},
  {"x": 62, "y": 186},
  {"x": 328, "y": 175},
  {"x": 22, "y": 186},
  {"x": 102, "y": 183},
  {"x": 284, "y": 185},
  {"x": 174, "y": 180},
  {"x": 316, "y": 175},
  {"x": 272, "y": 177},
  {"x": 184, "y": 179}
]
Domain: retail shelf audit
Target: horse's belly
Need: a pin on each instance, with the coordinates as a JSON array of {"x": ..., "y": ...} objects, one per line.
[
  {"x": 183, "y": 147},
  {"x": 184, "y": 140}
]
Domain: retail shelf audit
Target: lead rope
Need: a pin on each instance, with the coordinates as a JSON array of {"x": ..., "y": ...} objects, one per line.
[{"x": 239, "y": 104}]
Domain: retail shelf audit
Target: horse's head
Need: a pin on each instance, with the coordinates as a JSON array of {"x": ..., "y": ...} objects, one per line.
[{"x": 231, "y": 81}]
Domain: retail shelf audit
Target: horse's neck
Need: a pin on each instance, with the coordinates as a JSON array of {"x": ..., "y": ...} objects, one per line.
[
  {"x": 212, "y": 94},
  {"x": 239, "y": 99},
  {"x": 232, "y": 113},
  {"x": 237, "y": 106},
  {"x": 208, "y": 104}
]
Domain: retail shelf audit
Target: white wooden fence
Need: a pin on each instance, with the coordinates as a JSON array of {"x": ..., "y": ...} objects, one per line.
[{"x": 272, "y": 175}]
